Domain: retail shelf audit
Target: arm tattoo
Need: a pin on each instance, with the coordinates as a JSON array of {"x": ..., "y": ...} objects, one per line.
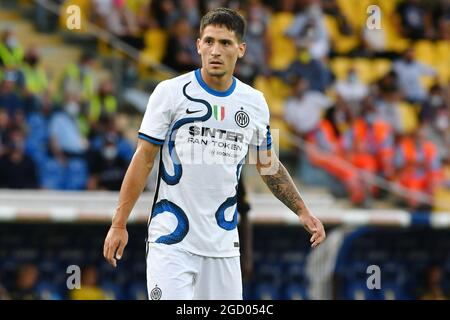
[{"x": 284, "y": 189}]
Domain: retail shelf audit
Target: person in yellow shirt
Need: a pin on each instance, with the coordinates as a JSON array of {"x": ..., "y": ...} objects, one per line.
[
  {"x": 433, "y": 287},
  {"x": 90, "y": 290}
]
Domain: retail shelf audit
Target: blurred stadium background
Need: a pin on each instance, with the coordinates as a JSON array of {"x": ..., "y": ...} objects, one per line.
[{"x": 363, "y": 120}]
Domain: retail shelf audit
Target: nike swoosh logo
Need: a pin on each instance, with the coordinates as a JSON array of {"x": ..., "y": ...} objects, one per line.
[{"x": 190, "y": 112}]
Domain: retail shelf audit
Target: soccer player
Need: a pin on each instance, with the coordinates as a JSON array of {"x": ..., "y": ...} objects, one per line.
[{"x": 203, "y": 124}]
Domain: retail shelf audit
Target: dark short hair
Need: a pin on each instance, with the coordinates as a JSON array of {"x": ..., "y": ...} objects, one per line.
[{"x": 228, "y": 18}]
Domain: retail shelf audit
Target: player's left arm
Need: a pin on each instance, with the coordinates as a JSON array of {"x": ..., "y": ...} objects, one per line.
[{"x": 276, "y": 177}]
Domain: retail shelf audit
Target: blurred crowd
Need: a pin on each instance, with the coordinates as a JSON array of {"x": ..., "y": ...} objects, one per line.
[
  {"x": 57, "y": 133},
  {"x": 395, "y": 125},
  {"x": 28, "y": 284}
]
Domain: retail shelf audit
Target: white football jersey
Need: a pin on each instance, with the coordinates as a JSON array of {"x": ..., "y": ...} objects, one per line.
[{"x": 204, "y": 136}]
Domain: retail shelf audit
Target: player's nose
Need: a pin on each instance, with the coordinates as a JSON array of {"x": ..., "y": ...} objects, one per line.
[{"x": 215, "y": 50}]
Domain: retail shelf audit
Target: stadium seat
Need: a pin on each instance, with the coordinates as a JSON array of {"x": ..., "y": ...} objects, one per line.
[
  {"x": 424, "y": 51},
  {"x": 155, "y": 45},
  {"x": 340, "y": 67},
  {"x": 269, "y": 272},
  {"x": 48, "y": 291},
  {"x": 295, "y": 291},
  {"x": 387, "y": 6},
  {"x": 283, "y": 49},
  {"x": 138, "y": 291},
  {"x": 440, "y": 200},
  {"x": 266, "y": 291},
  {"x": 357, "y": 290},
  {"x": 408, "y": 116},
  {"x": 365, "y": 70},
  {"x": 125, "y": 149},
  {"x": 112, "y": 290},
  {"x": 391, "y": 291},
  {"x": 381, "y": 67},
  {"x": 247, "y": 291},
  {"x": 76, "y": 175},
  {"x": 51, "y": 174}
]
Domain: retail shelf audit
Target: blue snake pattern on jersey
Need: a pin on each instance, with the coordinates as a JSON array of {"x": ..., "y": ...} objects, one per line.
[
  {"x": 229, "y": 202},
  {"x": 177, "y": 168}
]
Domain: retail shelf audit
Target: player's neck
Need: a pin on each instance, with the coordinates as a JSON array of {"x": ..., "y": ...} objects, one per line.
[{"x": 217, "y": 83}]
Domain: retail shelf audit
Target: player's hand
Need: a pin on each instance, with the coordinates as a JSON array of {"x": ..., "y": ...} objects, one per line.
[
  {"x": 314, "y": 227},
  {"x": 115, "y": 242}
]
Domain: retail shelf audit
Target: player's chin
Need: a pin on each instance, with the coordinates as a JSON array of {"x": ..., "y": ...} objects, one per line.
[{"x": 216, "y": 71}]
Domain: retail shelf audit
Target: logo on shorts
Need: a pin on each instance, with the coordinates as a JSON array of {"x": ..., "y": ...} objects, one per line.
[
  {"x": 156, "y": 293},
  {"x": 242, "y": 119}
]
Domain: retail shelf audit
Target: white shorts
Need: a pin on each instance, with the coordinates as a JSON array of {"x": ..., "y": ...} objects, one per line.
[{"x": 176, "y": 274}]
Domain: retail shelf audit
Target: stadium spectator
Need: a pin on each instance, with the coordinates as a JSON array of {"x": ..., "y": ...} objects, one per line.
[
  {"x": 78, "y": 79},
  {"x": 331, "y": 7},
  {"x": 25, "y": 283},
  {"x": 387, "y": 104},
  {"x": 313, "y": 70},
  {"x": 107, "y": 167},
  {"x": 36, "y": 80},
  {"x": 308, "y": 29},
  {"x": 190, "y": 9},
  {"x": 4, "y": 125},
  {"x": 441, "y": 19},
  {"x": 103, "y": 103},
  {"x": 433, "y": 288},
  {"x": 303, "y": 108},
  {"x": 4, "y": 295},
  {"x": 121, "y": 22},
  {"x": 435, "y": 114},
  {"x": 11, "y": 52},
  {"x": 255, "y": 60},
  {"x": 66, "y": 139},
  {"x": 415, "y": 20},
  {"x": 433, "y": 105},
  {"x": 418, "y": 165},
  {"x": 369, "y": 144},
  {"x": 352, "y": 90},
  {"x": 89, "y": 286},
  {"x": 165, "y": 12},
  {"x": 325, "y": 151},
  {"x": 17, "y": 170},
  {"x": 181, "y": 53},
  {"x": 409, "y": 71},
  {"x": 9, "y": 98}
]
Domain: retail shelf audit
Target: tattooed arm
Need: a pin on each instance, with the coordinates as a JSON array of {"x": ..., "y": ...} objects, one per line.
[{"x": 276, "y": 177}]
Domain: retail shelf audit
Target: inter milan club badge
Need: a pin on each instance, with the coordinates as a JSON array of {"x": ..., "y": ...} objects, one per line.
[
  {"x": 156, "y": 293},
  {"x": 242, "y": 119}
]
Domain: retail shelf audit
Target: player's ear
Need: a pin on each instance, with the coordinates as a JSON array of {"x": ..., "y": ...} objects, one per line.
[
  {"x": 198, "y": 45},
  {"x": 242, "y": 47}
]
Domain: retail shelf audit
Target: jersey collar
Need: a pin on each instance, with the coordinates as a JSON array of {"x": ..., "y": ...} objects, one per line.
[{"x": 216, "y": 93}]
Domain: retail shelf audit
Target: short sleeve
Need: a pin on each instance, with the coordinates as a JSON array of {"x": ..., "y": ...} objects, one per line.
[
  {"x": 262, "y": 138},
  {"x": 158, "y": 115}
]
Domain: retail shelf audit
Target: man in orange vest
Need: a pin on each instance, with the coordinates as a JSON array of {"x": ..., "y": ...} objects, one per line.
[
  {"x": 325, "y": 151},
  {"x": 369, "y": 144},
  {"x": 418, "y": 165}
]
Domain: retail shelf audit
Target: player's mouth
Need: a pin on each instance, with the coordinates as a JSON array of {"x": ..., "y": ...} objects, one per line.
[{"x": 216, "y": 63}]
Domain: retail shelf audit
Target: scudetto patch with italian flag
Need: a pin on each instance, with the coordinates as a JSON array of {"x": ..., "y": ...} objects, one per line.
[{"x": 219, "y": 112}]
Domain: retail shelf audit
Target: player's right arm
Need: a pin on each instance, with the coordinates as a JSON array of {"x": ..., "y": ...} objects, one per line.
[{"x": 133, "y": 184}]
